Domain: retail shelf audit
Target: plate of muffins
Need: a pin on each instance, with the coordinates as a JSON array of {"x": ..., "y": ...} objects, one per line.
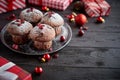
[{"x": 35, "y": 33}]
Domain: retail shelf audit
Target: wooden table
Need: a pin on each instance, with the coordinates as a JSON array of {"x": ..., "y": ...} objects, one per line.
[{"x": 95, "y": 56}]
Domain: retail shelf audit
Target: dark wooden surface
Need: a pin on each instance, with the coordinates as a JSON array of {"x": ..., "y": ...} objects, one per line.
[{"x": 95, "y": 56}]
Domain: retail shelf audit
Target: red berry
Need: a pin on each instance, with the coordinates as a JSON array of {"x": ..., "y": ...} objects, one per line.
[
  {"x": 18, "y": 24},
  {"x": 50, "y": 49},
  {"x": 50, "y": 13},
  {"x": 55, "y": 55},
  {"x": 31, "y": 9},
  {"x": 62, "y": 38},
  {"x": 12, "y": 17},
  {"x": 22, "y": 20},
  {"x": 81, "y": 32},
  {"x": 40, "y": 26},
  {"x": 28, "y": 11},
  {"x": 38, "y": 70},
  {"x": 71, "y": 16},
  {"x": 15, "y": 46},
  {"x": 18, "y": 20},
  {"x": 46, "y": 57},
  {"x": 81, "y": 19}
]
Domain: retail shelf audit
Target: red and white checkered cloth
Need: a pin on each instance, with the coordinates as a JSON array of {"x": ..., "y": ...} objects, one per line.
[
  {"x": 8, "y": 5},
  {"x": 95, "y": 8},
  {"x": 22, "y": 74},
  {"x": 56, "y": 4}
]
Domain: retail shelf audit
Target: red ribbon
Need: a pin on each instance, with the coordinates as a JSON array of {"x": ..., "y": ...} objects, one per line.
[{"x": 10, "y": 4}]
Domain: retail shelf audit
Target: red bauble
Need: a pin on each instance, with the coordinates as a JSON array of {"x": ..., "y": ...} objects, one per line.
[
  {"x": 62, "y": 38},
  {"x": 81, "y": 19},
  {"x": 100, "y": 20},
  {"x": 46, "y": 57},
  {"x": 38, "y": 70},
  {"x": 44, "y": 8}
]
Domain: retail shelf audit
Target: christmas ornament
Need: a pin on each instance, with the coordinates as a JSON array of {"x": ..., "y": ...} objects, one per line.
[
  {"x": 81, "y": 19},
  {"x": 11, "y": 17},
  {"x": 71, "y": 17},
  {"x": 15, "y": 46},
  {"x": 62, "y": 38},
  {"x": 78, "y": 5},
  {"x": 43, "y": 60},
  {"x": 45, "y": 8},
  {"x": 81, "y": 32},
  {"x": 38, "y": 70},
  {"x": 100, "y": 20},
  {"x": 74, "y": 13},
  {"x": 46, "y": 57}
]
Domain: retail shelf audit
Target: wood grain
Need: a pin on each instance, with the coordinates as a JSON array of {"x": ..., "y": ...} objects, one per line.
[{"x": 95, "y": 56}]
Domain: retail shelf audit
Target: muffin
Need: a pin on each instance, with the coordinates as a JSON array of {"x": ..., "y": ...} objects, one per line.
[
  {"x": 19, "y": 30},
  {"x": 53, "y": 19},
  {"x": 31, "y": 15},
  {"x": 42, "y": 36}
]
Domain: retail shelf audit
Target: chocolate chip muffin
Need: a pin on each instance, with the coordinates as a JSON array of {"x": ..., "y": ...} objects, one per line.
[
  {"x": 31, "y": 15},
  {"x": 53, "y": 19},
  {"x": 19, "y": 30},
  {"x": 42, "y": 36}
]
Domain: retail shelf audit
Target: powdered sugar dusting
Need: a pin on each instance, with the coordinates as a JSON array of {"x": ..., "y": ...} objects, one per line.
[
  {"x": 55, "y": 20},
  {"x": 47, "y": 32},
  {"x": 21, "y": 29},
  {"x": 31, "y": 16}
]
